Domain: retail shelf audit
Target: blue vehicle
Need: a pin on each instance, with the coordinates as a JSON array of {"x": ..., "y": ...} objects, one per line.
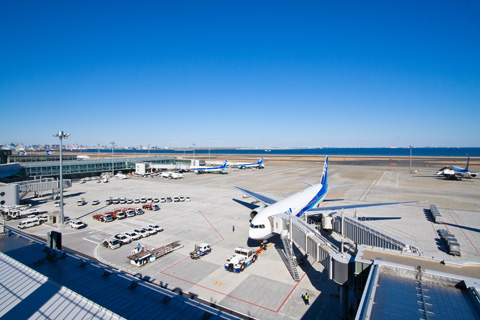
[{"x": 200, "y": 250}]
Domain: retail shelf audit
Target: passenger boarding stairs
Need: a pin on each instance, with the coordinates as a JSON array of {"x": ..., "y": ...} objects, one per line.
[{"x": 288, "y": 257}]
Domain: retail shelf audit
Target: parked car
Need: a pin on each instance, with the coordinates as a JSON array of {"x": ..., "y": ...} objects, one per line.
[
  {"x": 142, "y": 232},
  {"x": 169, "y": 199},
  {"x": 156, "y": 227},
  {"x": 150, "y": 230},
  {"x": 130, "y": 213},
  {"x": 163, "y": 200},
  {"x": 123, "y": 238},
  {"x": 133, "y": 235},
  {"x": 112, "y": 243},
  {"x": 187, "y": 199},
  {"x": 139, "y": 211},
  {"x": 95, "y": 202},
  {"x": 77, "y": 224}
]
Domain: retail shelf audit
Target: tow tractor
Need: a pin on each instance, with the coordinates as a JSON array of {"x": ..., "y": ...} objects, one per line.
[
  {"x": 241, "y": 259},
  {"x": 200, "y": 250},
  {"x": 141, "y": 255}
]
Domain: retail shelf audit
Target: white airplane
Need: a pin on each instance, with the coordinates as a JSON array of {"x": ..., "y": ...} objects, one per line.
[
  {"x": 456, "y": 173},
  {"x": 82, "y": 157},
  {"x": 258, "y": 165},
  {"x": 209, "y": 169},
  {"x": 303, "y": 202}
]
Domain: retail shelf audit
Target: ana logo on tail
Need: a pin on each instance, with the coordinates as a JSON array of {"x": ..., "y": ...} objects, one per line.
[{"x": 324, "y": 174}]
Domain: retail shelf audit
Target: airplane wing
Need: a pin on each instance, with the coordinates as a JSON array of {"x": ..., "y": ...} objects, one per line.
[
  {"x": 316, "y": 211},
  {"x": 265, "y": 200},
  {"x": 331, "y": 187}
]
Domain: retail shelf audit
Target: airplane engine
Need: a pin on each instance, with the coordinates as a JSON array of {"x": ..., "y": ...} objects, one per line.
[
  {"x": 473, "y": 175},
  {"x": 255, "y": 212}
]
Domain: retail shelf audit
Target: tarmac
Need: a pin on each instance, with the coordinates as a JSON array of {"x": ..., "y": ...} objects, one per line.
[{"x": 265, "y": 290}]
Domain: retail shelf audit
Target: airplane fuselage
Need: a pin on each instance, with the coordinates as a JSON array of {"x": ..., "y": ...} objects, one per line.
[{"x": 296, "y": 204}]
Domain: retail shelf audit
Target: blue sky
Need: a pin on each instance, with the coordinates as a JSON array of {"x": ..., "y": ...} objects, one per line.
[{"x": 241, "y": 73}]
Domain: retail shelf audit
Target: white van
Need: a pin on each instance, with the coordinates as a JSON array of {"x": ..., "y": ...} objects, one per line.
[{"x": 30, "y": 222}]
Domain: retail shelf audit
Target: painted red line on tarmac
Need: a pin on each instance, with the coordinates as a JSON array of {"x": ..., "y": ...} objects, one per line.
[
  {"x": 295, "y": 287},
  {"x": 174, "y": 264},
  {"x": 212, "y": 227},
  {"x": 434, "y": 231},
  {"x": 226, "y": 295},
  {"x": 478, "y": 253}
]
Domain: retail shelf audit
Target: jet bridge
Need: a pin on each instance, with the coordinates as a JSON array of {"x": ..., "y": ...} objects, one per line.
[
  {"x": 309, "y": 240},
  {"x": 11, "y": 194}
]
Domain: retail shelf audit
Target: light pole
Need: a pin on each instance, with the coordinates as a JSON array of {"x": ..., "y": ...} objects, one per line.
[
  {"x": 98, "y": 157},
  {"x": 61, "y": 135},
  {"x": 410, "y": 159},
  {"x": 113, "y": 167}
]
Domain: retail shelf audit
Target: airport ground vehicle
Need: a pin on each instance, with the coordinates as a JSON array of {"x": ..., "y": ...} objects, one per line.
[
  {"x": 103, "y": 217},
  {"x": 151, "y": 206},
  {"x": 453, "y": 246},
  {"x": 200, "y": 250},
  {"x": 29, "y": 222},
  {"x": 141, "y": 255},
  {"x": 119, "y": 214},
  {"x": 95, "y": 202},
  {"x": 123, "y": 238},
  {"x": 139, "y": 211},
  {"x": 81, "y": 202},
  {"x": 150, "y": 230},
  {"x": 108, "y": 202},
  {"x": 111, "y": 243},
  {"x": 241, "y": 259},
  {"x": 77, "y": 224},
  {"x": 133, "y": 235},
  {"x": 156, "y": 227},
  {"x": 142, "y": 232}
]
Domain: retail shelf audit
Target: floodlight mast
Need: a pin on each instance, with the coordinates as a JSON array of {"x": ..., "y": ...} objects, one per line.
[
  {"x": 113, "y": 167},
  {"x": 61, "y": 135}
]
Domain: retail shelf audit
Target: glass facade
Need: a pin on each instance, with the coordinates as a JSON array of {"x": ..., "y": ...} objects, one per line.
[{"x": 93, "y": 166}]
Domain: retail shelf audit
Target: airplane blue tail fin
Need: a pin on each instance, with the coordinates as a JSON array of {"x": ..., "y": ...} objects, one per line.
[
  {"x": 224, "y": 164},
  {"x": 260, "y": 161},
  {"x": 324, "y": 174},
  {"x": 48, "y": 152}
]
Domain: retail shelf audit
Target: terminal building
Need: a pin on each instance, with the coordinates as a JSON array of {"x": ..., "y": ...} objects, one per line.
[
  {"x": 27, "y": 173},
  {"x": 25, "y": 167}
]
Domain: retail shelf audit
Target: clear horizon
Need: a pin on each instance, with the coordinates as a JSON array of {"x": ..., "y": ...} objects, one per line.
[{"x": 245, "y": 75}]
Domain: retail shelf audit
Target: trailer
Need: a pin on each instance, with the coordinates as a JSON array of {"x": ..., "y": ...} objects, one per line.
[
  {"x": 200, "y": 250},
  {"x": 141, "y": 255}
]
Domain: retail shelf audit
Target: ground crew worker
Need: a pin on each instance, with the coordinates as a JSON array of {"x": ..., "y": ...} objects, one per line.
[
  {"x": 306, "y": 299},
  {"x": 233, "y": 228}
]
